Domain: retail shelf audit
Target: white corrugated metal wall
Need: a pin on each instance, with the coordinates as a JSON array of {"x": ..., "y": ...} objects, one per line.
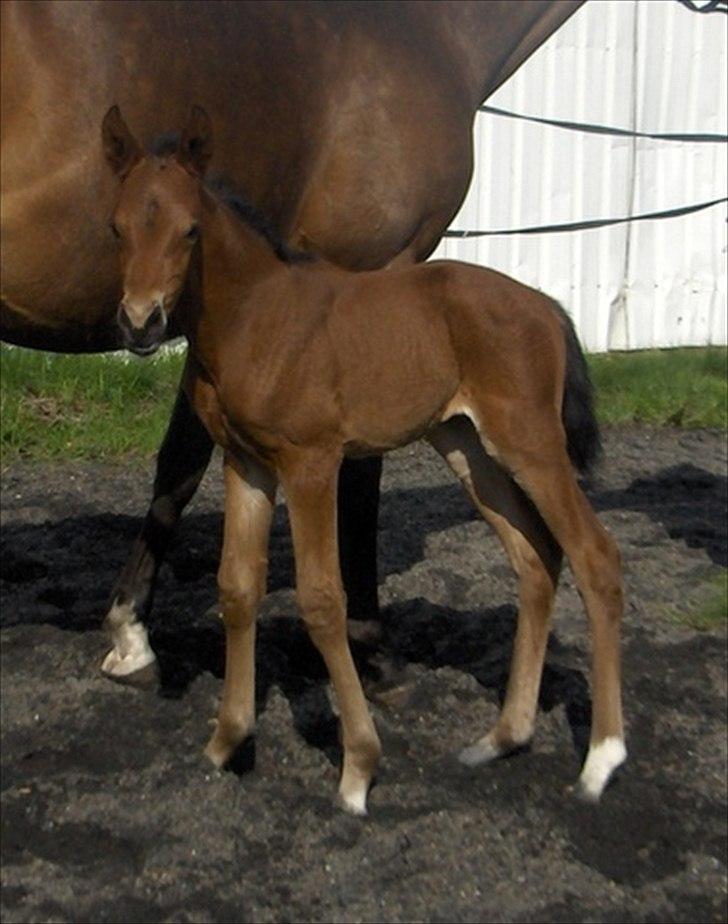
[{"x": 644, "y": 65}]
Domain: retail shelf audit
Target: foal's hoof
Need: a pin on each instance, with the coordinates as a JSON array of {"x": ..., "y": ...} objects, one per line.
[
  {"x": 218, "y": 752},
  {"x": 580, "y": 792},
  {"x": 130, "y": 670},
  {"x": 601, "y": 762},
  {"x": 232, "y": 746},
  {"x": 482, "y": 752},
  {"x": 354, "y": 803}
]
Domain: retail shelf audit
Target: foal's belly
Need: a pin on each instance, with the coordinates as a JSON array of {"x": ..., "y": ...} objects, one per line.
[
  {"x": 394, "y": 408},
  {"x": 396, "y": 371}
]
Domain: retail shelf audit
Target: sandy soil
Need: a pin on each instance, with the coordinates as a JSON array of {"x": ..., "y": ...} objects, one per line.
[{"x": 109, "y": 812}]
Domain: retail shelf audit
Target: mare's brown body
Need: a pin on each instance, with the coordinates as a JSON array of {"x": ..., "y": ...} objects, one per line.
[
  {"x": 347, "y": 123},
  {"x": 293, "y": 366},
  {"x": 335, "y": 118}
]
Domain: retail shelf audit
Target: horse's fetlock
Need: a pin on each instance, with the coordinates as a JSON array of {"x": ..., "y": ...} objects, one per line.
[
  {"x": 165, "y": 510},
  {"x": 233, "y": 729},
  {"x": 368, "y": 751},
  {"x": 120, "y": 614},
  {"x": 512, "y": 734}
]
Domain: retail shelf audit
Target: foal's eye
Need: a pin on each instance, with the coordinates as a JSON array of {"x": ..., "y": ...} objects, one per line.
[
  {"x": 193, "y": 233},
  {"x": 114, "y": 230}
]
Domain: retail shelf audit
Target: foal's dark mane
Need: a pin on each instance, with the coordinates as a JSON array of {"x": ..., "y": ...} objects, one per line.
[
  {"x": 166, "y": 145},
  {"x": 255, "y": 219}
]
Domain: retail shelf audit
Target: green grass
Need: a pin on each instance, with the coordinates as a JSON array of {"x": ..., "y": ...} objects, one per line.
[
  {"x": 111, "y": 407},
  {"x": 100, "y": 406},
  {"x": 710, "y": 607},
  {"x": 685, "y": 388}
]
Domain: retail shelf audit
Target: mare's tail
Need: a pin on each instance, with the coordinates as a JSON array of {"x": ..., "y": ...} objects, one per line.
[{"x": 582, "y": 431}]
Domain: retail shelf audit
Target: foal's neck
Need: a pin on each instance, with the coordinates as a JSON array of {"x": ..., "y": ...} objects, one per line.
[
  {"x": 235, "y": 255},
  {"x": 232, "y": 259}
]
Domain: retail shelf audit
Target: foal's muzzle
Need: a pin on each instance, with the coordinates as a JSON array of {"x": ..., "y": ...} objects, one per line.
[{"x": 146, "y": 339}]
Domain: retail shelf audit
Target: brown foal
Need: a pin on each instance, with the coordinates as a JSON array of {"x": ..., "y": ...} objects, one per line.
[{"x": 295, "y": 364}]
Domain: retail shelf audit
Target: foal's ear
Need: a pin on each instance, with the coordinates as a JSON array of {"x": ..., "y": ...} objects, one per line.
[
  {"x": 195, "y": 146},
  {"x": 120, "y": 147}
]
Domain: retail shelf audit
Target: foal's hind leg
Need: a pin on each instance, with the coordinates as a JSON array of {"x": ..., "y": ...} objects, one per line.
[
  {"x": 249, "y": 502},
  {"x": 181, "y": 463},
  {"x": 536, "y": 559},
  {"x": 309, "y": 480},
  {"x": 529, "y": 441}
]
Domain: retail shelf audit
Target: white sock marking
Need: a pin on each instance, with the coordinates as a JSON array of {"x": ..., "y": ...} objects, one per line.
[
  {"x": 482, "y": 752},
  {"x": 603, "y": 758},
  {"x": 132, "y": 651},
  {"x": 355, "y": 802}
]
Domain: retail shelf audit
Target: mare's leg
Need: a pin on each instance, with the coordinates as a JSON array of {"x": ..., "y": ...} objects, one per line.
[
  {"x": 181, "y": 463},
  {"x": 536, "y": 560},
  {"x": 249, "y": 501},
  {"x": 358, "y": 510},
  {"x": 309, "y": 480},
  {"x": 529, "y": 441}
]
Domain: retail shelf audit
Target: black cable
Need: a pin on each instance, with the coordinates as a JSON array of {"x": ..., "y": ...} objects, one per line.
[
  {"x": 606, "y": 129},
  {"x": 592, "y": 223}
]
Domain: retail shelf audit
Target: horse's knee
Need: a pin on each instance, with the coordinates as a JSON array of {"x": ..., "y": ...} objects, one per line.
[
  {"x": 323, "y": 608},
  {"x": 240, "y": 592}
]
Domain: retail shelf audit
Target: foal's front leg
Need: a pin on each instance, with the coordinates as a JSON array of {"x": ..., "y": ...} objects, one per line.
[
  {"x": 249, "y": 501},
  {"x": 309, "y": 479}
]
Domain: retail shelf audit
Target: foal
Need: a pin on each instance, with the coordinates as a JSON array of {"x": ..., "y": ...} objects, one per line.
[{"x": 294, "y": 364}]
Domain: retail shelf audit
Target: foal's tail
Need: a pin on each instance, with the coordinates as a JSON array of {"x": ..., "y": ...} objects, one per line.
[{"x": 583, "y": 441}]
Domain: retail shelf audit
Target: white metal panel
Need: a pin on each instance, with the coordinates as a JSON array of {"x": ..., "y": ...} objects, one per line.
[{"x": 650, "y": 66}]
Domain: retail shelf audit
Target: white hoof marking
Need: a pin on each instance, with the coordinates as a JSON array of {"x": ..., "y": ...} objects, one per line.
[
  {"x": 132, "y": 651},
  {"x": 603, "y": 758},
  {"x": 217, "y": 754},
  {"x": 354, "y": 802},
  {"x": 482, "y": 752}
]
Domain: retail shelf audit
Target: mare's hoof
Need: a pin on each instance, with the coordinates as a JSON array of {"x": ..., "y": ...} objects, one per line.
[
  {"x": 393, "y": 686},
  {"x": 364, "y": 631},
  {"x": 131, "y": 660},
  {"x": 130, "y": 671},
  {"x": 393, "y": 697}
]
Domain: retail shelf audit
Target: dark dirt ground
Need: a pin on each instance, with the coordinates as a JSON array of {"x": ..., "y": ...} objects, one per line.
[{"x": 109, "y": 812}]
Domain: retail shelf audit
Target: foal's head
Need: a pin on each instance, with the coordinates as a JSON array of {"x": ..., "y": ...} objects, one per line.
[{"x": 156, "y": 221}]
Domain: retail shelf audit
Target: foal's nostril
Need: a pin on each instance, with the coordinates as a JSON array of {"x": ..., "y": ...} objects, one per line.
[
  {"x": 123, "y": 319},
  {"x": 157, "y": 320},
  {"x": 147, "y": 336}
]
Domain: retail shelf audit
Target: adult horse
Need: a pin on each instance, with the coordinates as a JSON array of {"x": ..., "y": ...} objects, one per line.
[{"x": 348, "y": 124}]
